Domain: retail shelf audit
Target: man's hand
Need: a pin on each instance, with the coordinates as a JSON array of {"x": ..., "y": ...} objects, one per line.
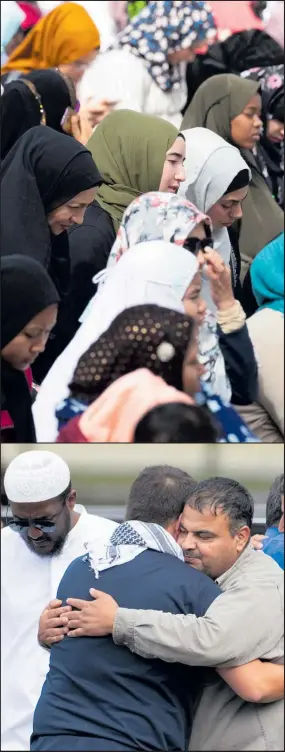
[
  {"x": 53, "y": 623},
  {"x": 93, "y": 618}
]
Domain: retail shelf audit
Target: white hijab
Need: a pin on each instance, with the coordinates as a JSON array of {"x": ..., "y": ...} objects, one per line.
[
  {"x": 154, "y": 272},
  {"x": 211, "y": 165}
]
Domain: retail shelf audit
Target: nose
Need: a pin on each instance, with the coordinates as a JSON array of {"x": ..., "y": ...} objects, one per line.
[
  {"x": 35, "y": 533},
  {"x": 202, "y": 306},
  {"x": 181, "y": 174},
  {"x": 200, "y": 259},
  {"x": 257, "y": 121},
  {"x": 238, "y": 211},
  {"x": 189, "y": 543},
  {"x": 39, "y": 346},
  {"x": 79, "y": 217}
]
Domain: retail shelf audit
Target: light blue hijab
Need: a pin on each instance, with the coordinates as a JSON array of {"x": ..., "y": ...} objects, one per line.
[{"x": 267, "y": 276}]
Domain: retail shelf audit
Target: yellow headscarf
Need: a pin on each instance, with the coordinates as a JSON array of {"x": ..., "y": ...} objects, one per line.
[{"x": 63, "y": 36}]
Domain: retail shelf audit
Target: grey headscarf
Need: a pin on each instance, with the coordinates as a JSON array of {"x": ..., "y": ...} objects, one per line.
[
  {"x": 211, "y": 165},
  {"x": 216, "y": 103}
]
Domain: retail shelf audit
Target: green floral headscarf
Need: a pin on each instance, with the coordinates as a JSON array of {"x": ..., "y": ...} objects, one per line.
[{"x": 129, "y": 150}]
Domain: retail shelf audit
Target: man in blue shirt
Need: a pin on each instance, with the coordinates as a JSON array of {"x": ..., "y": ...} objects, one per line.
[
  {"x": 273, "y": 543},
  {"x": 98, "y": 696}
]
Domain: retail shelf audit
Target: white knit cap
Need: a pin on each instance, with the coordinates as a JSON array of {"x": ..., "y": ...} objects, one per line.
[{"x": 36, "y": 476}]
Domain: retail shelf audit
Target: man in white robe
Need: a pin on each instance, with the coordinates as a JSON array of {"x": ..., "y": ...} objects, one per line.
[{"x": 34, "y": 559}]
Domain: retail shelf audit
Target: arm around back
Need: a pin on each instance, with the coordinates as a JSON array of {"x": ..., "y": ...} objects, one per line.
[
  {"x": 241, "y": 625},
  {"x": 257, "y": 681}
]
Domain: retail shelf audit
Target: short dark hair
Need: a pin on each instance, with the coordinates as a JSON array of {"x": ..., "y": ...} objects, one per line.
[
  {"x": 273, "y": 503},
  {"x": 175, "y": 423},
  {"x": 227, "y": 496},
  {"x": 159, "y": 494}
]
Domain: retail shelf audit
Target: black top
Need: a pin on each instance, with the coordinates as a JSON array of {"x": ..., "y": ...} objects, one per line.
[
  {"x": 89, "y": 248},
  {"x": 100, "y": 696}
]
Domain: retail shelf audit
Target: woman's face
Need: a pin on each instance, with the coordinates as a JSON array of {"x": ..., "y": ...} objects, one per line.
[
  {"x": 76, "y": 69},
  {"x": 23, "y": 350},
  {"x": 228, "y": 209},
  {"x": 71, "y": 213},
  {"x": 186, "y": 55},
  {"x": 275, "y": 131},
  {"x": 192, "y": 370},
  {"x": 173, "y": 171},
  {"x": 246, "y": 127},
  {"x": 194, "y": 306}
]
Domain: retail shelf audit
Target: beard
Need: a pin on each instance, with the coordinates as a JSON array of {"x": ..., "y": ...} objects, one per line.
[{"x": 54, "y": 545}]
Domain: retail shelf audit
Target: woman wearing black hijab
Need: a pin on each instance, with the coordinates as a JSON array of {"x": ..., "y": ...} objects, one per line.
[
  {"x": 29, "y": 305},
  {"x": 48, "y": 180},
  {"x": 40, "y": 97}
]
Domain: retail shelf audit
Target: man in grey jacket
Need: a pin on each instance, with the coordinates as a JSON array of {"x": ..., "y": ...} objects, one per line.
[{"x": 243, "y": 624}]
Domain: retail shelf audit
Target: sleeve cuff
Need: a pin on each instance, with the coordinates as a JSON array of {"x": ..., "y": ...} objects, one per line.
[{"x": 124, "y": 627}]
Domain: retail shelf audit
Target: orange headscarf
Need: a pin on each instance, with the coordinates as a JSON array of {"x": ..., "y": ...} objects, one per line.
[
  {"x": 114, "y": 416},
  {"x": 63, "y": 36}
]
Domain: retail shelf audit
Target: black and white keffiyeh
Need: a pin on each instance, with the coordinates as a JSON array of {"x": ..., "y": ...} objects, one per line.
[{"x": 128, "y": 541}]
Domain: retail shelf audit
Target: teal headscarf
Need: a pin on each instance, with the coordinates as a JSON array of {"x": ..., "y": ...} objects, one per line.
[{"x": 267, "y": 275}]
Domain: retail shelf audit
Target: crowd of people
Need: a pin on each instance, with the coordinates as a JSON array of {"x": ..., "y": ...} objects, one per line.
[
  {"x": 163, "y": 632},
  {"x": 142, "y": 227}
]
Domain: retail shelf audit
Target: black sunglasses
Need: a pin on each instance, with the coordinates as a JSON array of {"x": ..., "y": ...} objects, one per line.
[
  {"x": 21, "y": 524},
  {"x": 194, "y": 245}
]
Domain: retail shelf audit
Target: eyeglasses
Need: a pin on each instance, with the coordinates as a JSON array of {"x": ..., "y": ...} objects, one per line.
[
  {"x": 21, "y": 524},
  {"x": 194, "y": 245}
]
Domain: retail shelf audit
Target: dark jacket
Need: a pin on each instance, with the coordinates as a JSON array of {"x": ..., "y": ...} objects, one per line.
[
  {"x": 240, "y": 364},
  {"x": 101, "y": 696},
  {"x": 237, "y": 349},
  {"x": 89, "y": 247}
]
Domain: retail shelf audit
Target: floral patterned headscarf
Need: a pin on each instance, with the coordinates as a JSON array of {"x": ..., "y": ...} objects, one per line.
[
  {"x": 271, "y": 81},
  {"x": 156, "y": 216},
  {"x": 164, "y": 27}
]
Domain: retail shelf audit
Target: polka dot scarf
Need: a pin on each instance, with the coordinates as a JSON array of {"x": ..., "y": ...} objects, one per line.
[
  {"x": 140, "y": 337},
  {"x": 164, "y": 27}
]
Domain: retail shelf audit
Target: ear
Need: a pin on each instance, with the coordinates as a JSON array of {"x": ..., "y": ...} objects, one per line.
[
  {"x": 71, "y": 499},
  {"x": 177, "y": 526},
  {"x": 242, "y": 537}
]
